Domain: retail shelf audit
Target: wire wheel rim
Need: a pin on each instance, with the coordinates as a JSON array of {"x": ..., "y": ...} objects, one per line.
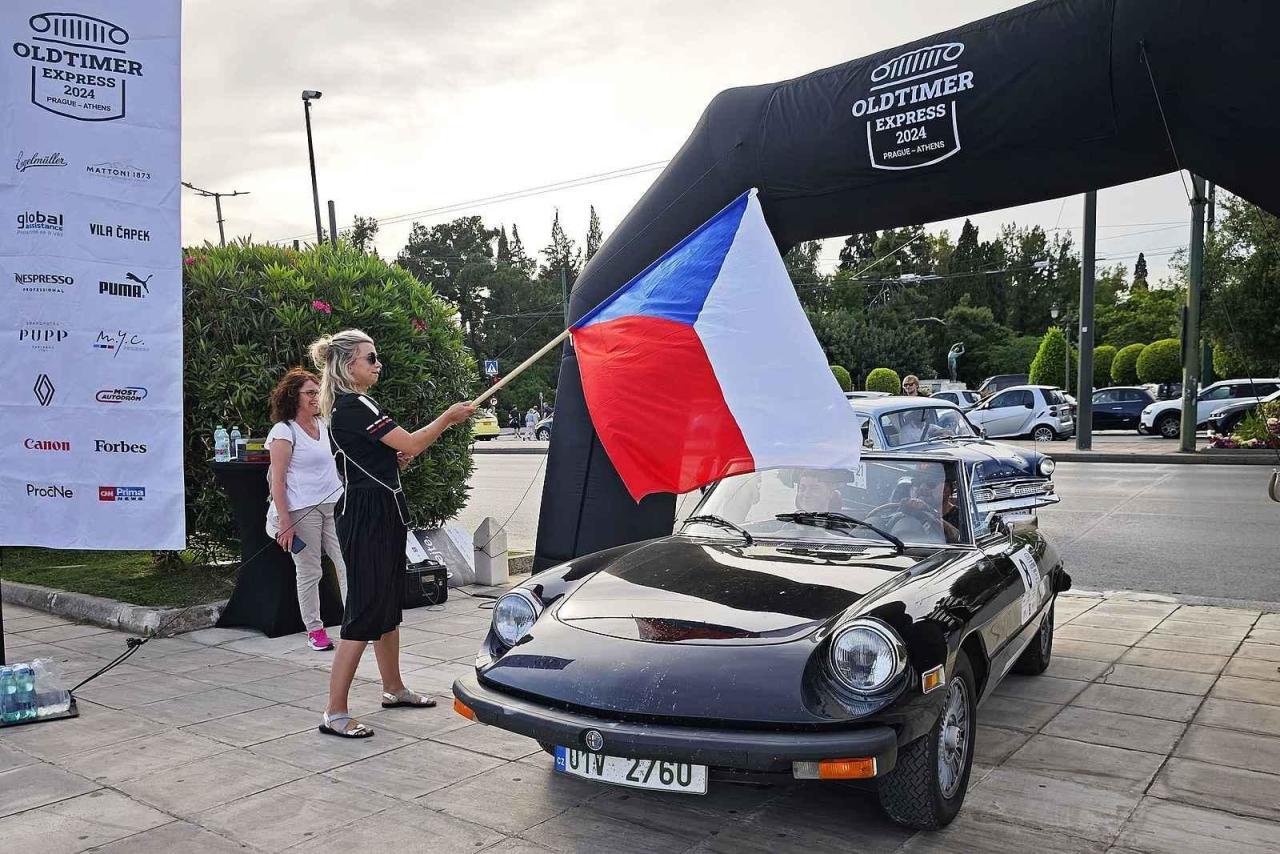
[{"x": 953, "y": 738}]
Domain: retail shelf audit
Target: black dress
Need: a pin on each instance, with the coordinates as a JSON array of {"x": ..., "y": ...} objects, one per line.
[{"x": 372, "y": 518}]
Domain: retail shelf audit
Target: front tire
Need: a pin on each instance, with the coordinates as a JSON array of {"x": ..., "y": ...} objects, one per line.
[
  {"x": 1169, "y": 426},
  {"x": 1035, "y": 658},
  {"x": 926, "y": 788},
  {"x": 1044, "y": 433},
  {"x": 544, "y": 435}
]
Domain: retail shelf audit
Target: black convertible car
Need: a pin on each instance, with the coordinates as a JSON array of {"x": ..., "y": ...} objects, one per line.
[{"x": 822, "y": 624}]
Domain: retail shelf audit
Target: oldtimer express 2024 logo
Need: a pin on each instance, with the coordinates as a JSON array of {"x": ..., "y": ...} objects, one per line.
[{"x": 79, "y": 66}]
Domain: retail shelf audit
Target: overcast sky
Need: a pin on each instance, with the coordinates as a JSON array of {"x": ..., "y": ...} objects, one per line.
[{"x": 428, "y": 103}]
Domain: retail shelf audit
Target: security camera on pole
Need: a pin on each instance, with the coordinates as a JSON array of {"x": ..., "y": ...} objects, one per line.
[{"x": 309, "y": 95}]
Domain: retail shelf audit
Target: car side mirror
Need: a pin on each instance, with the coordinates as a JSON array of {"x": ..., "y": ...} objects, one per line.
[
  {"x": 982, "y": 431},
  {"x": 1003, "y": 529}
]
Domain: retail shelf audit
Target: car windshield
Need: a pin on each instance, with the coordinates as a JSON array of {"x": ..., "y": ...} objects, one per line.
[
  {"x": 918, "y": 502},
  {"x": 923, "y": 424}
]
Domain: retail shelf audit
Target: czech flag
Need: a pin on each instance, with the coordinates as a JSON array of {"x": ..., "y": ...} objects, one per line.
[{"x": 704, "y": 365}]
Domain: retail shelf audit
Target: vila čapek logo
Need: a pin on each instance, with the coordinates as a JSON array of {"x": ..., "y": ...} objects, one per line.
[
  {"x": 101, "y": 446},
  {"x": 134, "y": 287},
  {"x": 42, "y": 335},
  {"x": 43, "y": 283},
  {"x": 36, "y": 159},
  {"x": 40, "y": 222},
  {"x": 118, "y": 341},
  {"x": 52, "y": 490},
  {"x": 43, "y": 390},
  {"x": 120, "y": 232},
  {"x": 46, "y": 444},
  {"x": 79, "y": 65},
  {"x": 119, "y": 170},
  {"x": 910, "y": 107},
  {"x": 128, "y": 394},
  {"x": 122, "y": 493}
]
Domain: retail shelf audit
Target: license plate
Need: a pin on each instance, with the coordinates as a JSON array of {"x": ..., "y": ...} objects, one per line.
[{"x": 638, "y": 773}]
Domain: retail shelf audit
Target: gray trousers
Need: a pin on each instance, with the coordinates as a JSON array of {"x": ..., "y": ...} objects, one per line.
[{"x": 317, "y": 528}]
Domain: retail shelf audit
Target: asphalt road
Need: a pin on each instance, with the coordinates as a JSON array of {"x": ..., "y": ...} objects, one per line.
[{"x": 1198, "y": 531}]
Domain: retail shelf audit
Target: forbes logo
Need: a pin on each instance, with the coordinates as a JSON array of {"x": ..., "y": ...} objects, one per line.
[
  {"x": 122, "y": 493},
  {"x": 128, "y": 394},
  {"x": 103, "y": 447},
  {"x": 53, "y": 490},
  {"x": 39, "y": 222}
]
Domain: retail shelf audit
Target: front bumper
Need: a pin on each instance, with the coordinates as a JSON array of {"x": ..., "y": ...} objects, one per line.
[{"x": 745, "y": 750}]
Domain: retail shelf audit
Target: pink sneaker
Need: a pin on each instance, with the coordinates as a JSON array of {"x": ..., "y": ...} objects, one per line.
[{"x": 319, "y": 640}]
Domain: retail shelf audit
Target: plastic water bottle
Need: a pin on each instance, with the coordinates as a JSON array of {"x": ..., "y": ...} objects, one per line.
[
  {"x": 235, "y": 443},
  {"x": 221, "y": 445},
  {"x": 8, "y": 704},
  {"x": 25, "y": 696}
]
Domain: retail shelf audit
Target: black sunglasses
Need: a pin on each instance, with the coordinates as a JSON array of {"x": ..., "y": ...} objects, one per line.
[{"x": 371, "y": 358}]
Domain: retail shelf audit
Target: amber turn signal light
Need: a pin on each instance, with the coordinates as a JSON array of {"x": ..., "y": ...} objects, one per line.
[
  {"x": 931, "y": 679},
  {"x": 463, "y": 709},
  {"x": 835, "y": 769}
]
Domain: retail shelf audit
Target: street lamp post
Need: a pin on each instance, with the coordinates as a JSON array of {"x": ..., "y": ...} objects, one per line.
[
  {"x": 1054, "y": 311},
  {"x": 309, "y": 95}
]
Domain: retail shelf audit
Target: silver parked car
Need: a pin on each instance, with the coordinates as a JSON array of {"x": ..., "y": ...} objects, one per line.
[{"x": 1039, "y": 411}]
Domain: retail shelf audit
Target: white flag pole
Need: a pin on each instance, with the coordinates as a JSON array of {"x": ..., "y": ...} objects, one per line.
[{"x": 492, "y": 390}]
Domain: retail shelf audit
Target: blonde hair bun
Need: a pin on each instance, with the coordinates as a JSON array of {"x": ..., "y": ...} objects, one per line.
[{"x": 319, "y": 351}]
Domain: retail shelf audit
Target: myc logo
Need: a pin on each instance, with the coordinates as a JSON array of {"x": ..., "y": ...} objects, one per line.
[
  {"x": 46, "y": 445},
  {"x": 119, "y": 171},
  {"x": 129, "y": 394},
  {"x": 42, "y": 335},
  {"x": 40, "y": 222},
  {"x": 120, "y": 232},
  {"x": 910, "y": 107},
  {"x": 53, "y": 490},
  {"x": 35, "y": 158},
  {"x": 43, "y": 283},
  {"x": 118, "y": 341},
  {"x": 43, "y": 390},
  {"x": 101, "y": 446},
  {"x": 134, "y": 288},
  {"x": 78, "y": 66},
  {"x": 122, "y": 493}
]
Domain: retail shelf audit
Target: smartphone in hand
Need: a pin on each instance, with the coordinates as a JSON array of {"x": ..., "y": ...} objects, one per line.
[{"x": 298, "y": 544}]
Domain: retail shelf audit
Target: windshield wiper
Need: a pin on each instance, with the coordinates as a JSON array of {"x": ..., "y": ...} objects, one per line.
[
  {"x": 839, "y": 522},
  {"x": 721, "y": 522}
]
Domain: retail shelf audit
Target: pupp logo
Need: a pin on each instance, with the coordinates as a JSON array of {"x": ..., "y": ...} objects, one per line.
[
  {"x": 79, "y": 65},
  {"x": 43, "y": 335},
  {"x": 40, "y": 223},
  {"x": 122, "y": 493},
  {"x": 910, "y": 107}
]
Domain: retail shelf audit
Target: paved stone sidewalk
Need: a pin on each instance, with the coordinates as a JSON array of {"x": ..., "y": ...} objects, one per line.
[{"x": 1157, "y": 729}]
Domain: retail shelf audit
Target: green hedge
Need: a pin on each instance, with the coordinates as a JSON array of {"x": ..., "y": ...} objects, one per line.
[
  {"x": 1124, "y": 368},
  {"x": 884, "y": 379},
  {"x": 842, "y": 377},
  {"x": 1102, "y": 358},
  {"x": 249, "y": 313},
  {"x": 1161, "y": 361},
  {"x": 1050, "y": 366}
]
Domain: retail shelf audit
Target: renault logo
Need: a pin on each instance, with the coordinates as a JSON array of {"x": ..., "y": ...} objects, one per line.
[{"x": 594, "y": 740}]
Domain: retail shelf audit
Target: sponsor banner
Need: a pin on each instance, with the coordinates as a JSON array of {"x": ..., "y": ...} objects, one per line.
[{"x": 90, "y": 275}]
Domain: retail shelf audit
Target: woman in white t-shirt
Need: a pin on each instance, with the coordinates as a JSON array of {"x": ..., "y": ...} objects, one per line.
[{"x": 305, "y": 488}]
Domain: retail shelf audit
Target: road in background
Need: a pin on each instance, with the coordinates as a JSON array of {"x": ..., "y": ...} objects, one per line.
[{"x": 1199, "y": 531}]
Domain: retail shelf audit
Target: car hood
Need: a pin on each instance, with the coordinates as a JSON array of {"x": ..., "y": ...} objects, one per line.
[
  {"x": 993, "y": 460},
  {"x": 690, "y": 590}
]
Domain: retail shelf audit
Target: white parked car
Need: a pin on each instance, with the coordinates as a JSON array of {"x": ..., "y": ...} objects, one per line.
[
  {"x": 963, "y": 398},
  {"x": 1164, "y": 417},
  {"x": 1038, "y": 411}
]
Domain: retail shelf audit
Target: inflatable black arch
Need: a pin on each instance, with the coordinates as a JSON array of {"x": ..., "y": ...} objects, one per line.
[{"x": 1050, "y": 99}]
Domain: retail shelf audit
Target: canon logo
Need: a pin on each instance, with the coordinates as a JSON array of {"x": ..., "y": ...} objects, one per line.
[
  {"x": 53, "y": 490},
  {"x": 102, "y": 447},
  {"x": 46, "y": 445}
]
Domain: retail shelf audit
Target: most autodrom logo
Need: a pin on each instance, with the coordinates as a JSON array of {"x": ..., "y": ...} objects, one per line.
[
  {"x": 910, "y": 107},
  {"x": 123, "y": 394},
  {"x": 79, "y": 65}
]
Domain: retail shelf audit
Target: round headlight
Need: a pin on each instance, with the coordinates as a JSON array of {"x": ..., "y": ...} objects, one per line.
[
  {"x": 514, "y": 615},
  {"x": 1047, "y": 465},
  {"x": 867, "y": 656}
]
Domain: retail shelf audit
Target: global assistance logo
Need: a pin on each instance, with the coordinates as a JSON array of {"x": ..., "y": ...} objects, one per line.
[
  {"x": 910, "y": 107},
  {"x": 40, "y": 223},
  {"x": 122, "y": 493},
  {"x": 79, "y": 65}
]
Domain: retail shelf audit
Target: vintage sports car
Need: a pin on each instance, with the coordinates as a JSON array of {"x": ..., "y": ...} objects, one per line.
[{"x": 821, "y": 624}]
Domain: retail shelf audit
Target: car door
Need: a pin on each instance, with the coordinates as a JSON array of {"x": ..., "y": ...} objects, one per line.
[
  {"x": 1008, "y": 411},
  {"x": 1107, "y": 409},
  {"x": 1132, "y": 402},
  {"x": 1214, "y": 397}
]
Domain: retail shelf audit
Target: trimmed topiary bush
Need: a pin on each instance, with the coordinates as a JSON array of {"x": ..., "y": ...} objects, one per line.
[
  {"x": 1102, "y": 358},
  {"x": 884, "y": 379},
  {"x": 842, "y": 377},
  {"x": 249, "y": 312},
  {"x": 1051, "y": 366},
  {"x": 1161, "y": 361},
  {"x": 1124, "y": 368}
]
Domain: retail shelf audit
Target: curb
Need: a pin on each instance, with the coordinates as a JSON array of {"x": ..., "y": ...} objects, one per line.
[
  {"x": 522, "y": 448},
  {"x": 1202, "y": 458},
  {"x": 109, "y": 613}
]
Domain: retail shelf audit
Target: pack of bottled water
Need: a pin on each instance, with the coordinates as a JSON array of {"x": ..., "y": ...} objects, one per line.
[{"x": 30, "y": 691}]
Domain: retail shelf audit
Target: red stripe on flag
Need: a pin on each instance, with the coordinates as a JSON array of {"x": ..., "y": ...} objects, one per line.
[{"x": 657, "y": 406}]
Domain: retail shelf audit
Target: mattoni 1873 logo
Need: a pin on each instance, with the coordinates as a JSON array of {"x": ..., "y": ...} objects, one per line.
[
  {"x": 43, "y": 283},
  {"x": 79, "y": 65},
  {"x": 127, "y": 394},
  {"x": 119, "y": 170},
  {"x": 122, "y": 493}
]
